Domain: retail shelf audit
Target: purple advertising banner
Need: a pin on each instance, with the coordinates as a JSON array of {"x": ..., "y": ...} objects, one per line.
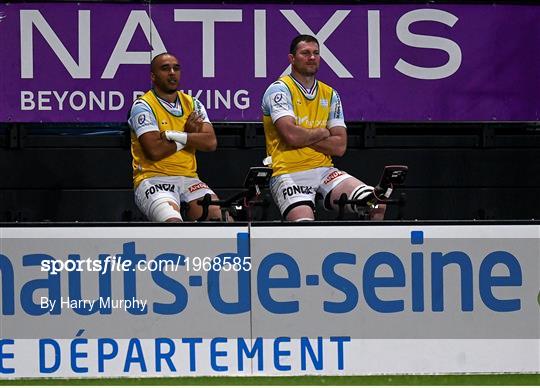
[{"x": 87, "y": 62}]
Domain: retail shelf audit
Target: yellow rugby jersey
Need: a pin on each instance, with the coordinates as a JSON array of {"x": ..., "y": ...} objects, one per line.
[
  {"x": 309, "y": 113},
  {"x": 182, "y": 162}
]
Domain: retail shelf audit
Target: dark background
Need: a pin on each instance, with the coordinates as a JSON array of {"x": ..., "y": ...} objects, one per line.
[{"x": 65, "y": 172}]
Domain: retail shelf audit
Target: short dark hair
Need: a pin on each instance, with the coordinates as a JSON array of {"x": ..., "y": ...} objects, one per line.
[{"x": 301, "y": 38}]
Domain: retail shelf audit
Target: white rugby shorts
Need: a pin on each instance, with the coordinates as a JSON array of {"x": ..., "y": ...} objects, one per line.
[
  {"x": 175, "y": 188},
  {"x": 300, "y": 188}
]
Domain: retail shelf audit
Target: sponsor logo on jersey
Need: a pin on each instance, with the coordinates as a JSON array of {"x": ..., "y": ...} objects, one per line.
[
  {"x": 279, "y": 100},
  {"x": 198, "y": 107},
  {"x": 305, "y": 122},
  {"x": 197, "y": 186},
  {"x": 278, "y": 97},
  {"x": 338, "y": 107},
  {"x": 159, "y": 187},
  {"x": 332, "y": 176},
  {"x": 143, "y": 119},
  {"x": 296, "y": 189}
]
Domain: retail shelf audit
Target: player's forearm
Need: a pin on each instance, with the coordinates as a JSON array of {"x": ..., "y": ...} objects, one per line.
[
  {"x": 304, "y": 137},
  {"x": 159, "y": 149},
  {"x": 202, "y": 141},
  {"x": 333, "y": 146}
]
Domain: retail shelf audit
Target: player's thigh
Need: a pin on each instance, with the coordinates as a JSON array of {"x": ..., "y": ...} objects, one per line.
[
  {"x": 295, "y": 193},
  {"x": 345, "y": 187},
  {"x": 334, "y": 183},
  {"x": 195, "y": 190},
  {"x": 158, "y": 199},
  {"x": 195, "y": 211}
]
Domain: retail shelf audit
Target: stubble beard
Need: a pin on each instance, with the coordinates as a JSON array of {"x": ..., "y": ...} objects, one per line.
[{"x": 309, "y": 73}]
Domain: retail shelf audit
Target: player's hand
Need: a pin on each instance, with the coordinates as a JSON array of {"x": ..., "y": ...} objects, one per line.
[
  {"x": 327, "y": 134},
  {"x": 194, "y": 123}
]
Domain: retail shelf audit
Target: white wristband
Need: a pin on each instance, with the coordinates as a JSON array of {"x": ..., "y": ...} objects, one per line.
[
  {"x": 180, "y": 138},
  {"x": 179, "y": 146}
]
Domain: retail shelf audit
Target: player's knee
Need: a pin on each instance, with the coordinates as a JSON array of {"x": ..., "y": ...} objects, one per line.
[
  {"x": 300, "y": 213},
  {"x": 214, "y": 213},
  {"x": 197, "y": 211},
  {"x": 363, "y": 195},
  {"x": 164, "y": 210}
]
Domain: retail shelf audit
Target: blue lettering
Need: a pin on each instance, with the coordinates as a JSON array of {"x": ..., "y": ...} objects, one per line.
[
  {"x": 339, "y": 283},
  {"x": 105, "y": 290},
  {"x": 340, "y": 341},
  {"x": 76, "y": 354},
  {"x": 277, "y": 271},
  {"x": 279, "y": 353},
  {"x": 244, "y": 302},
  {"x": 160, "y": 355},
  {"x": 305, "y": 345},
  {"x": 265, "y": 282},
  {"x": 487, "y": 281},
  {"x": 75, "y": 293},
  {"x": 370, "y": 281},
  {"x": 55, "y": 351},
  {"x": 8, "y": 287},
  {"x": 130, "y": 277},
  {"x": 102, "y": 356},
  {"x": 168, "y": 284},
  {"x": 244, "y": 350},
  {"x": 214, "y": 354},
  {"x": 192, "y": 358},
  {"x": 6, "y": 355},
  {"x": 417, "y": 283},
  {"x": 134, "y": 346},
  {"x": 52, "y": 284},
  {"x": 417, "y": 264},
  {"x": 438, "y": 262}
]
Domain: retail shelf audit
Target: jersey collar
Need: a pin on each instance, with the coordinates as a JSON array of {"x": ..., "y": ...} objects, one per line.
[
  {"x": 174, "y": 108},
  {"x": 308, "y": 93}
]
